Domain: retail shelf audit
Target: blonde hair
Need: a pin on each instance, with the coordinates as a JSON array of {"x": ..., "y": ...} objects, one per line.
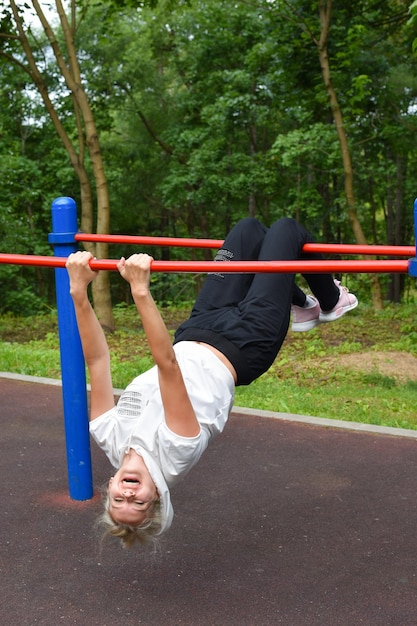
[{"x": 144, "y": 533}]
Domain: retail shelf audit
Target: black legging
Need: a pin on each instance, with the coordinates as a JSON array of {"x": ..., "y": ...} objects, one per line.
[{"x": 246, "y": 316}]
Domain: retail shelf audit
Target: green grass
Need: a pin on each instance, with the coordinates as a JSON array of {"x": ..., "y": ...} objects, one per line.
[
  {"x": 32, "y": 359},
  {"x": 309, "y": 376},
  {"x": 345, "y": 396}
]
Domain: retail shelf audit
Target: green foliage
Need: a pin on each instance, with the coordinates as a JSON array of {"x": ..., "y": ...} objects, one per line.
[
  {"x": 33, "y": 171},
  {"x": 208, "y": 111}
]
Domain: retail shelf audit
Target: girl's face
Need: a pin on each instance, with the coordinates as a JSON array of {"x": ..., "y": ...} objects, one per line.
[{"x": 131, "y": 491}]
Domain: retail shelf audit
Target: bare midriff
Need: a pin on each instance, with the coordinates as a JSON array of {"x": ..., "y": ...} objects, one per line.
[{"x": 222, "y": 358}]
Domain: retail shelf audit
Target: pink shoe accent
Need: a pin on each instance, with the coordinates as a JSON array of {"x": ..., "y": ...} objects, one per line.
[{"x": 347, "y": 302}]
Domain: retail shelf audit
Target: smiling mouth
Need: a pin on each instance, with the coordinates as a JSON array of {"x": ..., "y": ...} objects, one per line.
[{"x": 130, "y": 481}]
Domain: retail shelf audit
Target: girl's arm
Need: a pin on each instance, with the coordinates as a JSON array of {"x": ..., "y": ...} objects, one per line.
[
  {"x": 179, "y": 413},
  {"x": 93, "y": 340}
]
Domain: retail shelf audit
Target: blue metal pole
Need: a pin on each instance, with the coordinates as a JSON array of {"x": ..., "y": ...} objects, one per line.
[
  {"x": 412, "y": 264},
  {"x": 74, "y": 388}
]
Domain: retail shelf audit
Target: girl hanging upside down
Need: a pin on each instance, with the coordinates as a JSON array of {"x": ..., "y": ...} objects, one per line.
[{"x": 166, "y": 417}]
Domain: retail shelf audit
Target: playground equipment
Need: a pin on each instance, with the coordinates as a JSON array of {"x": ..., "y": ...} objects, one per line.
[{"x": 65, "y": 237}]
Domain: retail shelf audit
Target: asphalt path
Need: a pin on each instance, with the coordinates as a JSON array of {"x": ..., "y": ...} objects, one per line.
[{"x": 285, "y": 520}]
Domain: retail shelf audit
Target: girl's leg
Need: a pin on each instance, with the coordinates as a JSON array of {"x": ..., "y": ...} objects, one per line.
[
  {"x": 243, "y": 243},
  {"x": 289, "y": 237},
  {"x": 270, "y": 296},
  {"x": 246, "y": 316},
  {"x": 322, "y": 285},
  {"x": 298, "y": 296}
]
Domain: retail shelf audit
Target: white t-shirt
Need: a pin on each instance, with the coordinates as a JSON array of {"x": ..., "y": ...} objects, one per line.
[{"x": 137, "y": 421}]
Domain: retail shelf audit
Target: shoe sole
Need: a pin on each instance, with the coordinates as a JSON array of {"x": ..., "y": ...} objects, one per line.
[
  {"x": 335, "y": 315},
  {"x": 303, "y": 327}
]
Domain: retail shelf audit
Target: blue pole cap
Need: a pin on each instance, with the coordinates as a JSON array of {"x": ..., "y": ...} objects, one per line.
[{"x": 64, "y": 215}]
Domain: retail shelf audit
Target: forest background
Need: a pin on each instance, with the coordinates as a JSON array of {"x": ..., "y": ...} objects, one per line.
[{"x": 179, "y": 118}]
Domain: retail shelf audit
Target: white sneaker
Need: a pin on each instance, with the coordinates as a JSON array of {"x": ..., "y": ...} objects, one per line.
[{"x": 305, "y": 317}]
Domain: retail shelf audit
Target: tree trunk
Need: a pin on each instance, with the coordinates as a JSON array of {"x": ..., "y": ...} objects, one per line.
[
  {"x": 87, "y": 133},
  {"x": 325, "y": 8},
  {"x": 395, "y": 228},
  {"x": 253, "y": 140}
]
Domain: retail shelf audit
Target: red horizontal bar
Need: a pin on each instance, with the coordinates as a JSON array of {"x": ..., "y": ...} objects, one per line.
[
  {"x": 32, "y": 259},
  {"x": 281, "y": 267},
  {"x": 325, "y": 248},
  {"x": 174, "y": 242},
  {"x": 53, "y": 261},
  {"x": 360, "y": 249}
]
